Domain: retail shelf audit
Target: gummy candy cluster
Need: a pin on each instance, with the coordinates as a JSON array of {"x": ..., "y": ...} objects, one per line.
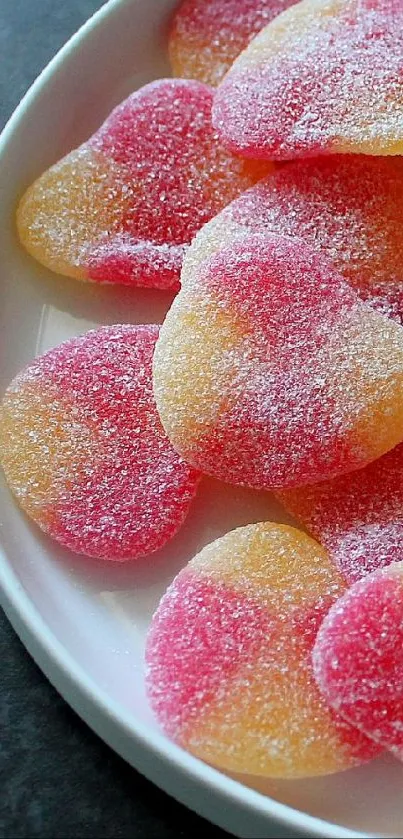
[{"x": 264, "y": 184}]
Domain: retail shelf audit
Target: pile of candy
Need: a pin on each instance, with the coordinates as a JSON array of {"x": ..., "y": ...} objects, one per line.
[{"x": 274, "y": 206}]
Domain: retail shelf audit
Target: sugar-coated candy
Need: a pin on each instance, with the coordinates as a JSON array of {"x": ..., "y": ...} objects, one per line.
[
  {"x": 323, "y": 77},
  {"x": 229, "y": 670},
  {"x": 84, "y": 451},
  {"x": 348, "y": 207},
  {"x": 207, "y": 35},
  {"x": 270, "y": 372},
  {"x": 358, "y": 657},
  {"x": 123, "y": 206},
  {"x": 358, "y": 517}
]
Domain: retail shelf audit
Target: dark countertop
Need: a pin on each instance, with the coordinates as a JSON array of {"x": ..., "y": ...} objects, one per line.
[{"x": 58, "y": 780}]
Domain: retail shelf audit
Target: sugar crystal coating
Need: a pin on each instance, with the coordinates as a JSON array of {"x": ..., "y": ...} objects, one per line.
[
  {"x": 349, "y": 208},
  {"x": 357, "y": 517},
  {"x": 124, "y": 206},
  {"x": 270, "y": 372},
  {"x": 207, "y": 35},
  {"x": 84, "y": 451},
  {"x": 323, "y": 77},
  {"x": 358, "y": 657},
  {"x": 228, "y": 654}
]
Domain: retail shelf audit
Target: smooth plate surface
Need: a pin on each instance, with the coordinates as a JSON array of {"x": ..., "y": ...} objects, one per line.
[{"x": 85, "y": 622}]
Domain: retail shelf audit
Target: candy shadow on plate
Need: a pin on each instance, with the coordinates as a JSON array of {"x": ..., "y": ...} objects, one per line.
[
  {"x": 216, "y": 509},
  {"x": 349, "y": 792},
  {"x": 94, "y": 302}
]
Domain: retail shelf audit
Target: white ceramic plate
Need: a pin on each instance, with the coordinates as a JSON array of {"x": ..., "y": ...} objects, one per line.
[{"x": 84, "y": 622}]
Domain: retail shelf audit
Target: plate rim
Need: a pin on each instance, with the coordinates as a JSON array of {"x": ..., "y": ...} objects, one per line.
[{"x": 113, "y": 723}]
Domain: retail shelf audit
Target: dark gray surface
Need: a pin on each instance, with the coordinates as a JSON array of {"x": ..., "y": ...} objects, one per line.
[{"x": 58, "y": 780}]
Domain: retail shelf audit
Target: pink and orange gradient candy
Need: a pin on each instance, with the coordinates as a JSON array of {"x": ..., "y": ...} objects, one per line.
[
  {"x": 229, "y": 669},
  {"x": 324, "y": 77},
  {"x": 358, "y": 657},
  {"x": 123, "y": 206},
  {"x": 206, "y": 36},
  {"x": 348, "y": 207},
  {"x": 84, "y": 451},
  {"x": 270, "y": 372},
  {"x": 357, "y": 517}
]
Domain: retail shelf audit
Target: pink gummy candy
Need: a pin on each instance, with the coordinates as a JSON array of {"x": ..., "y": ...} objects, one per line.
[
  {"x": 123, "y": 207},
  {"x": 358, "y": 657},
  {"x": 270, "y": 372},
  {"x": 229, "y": 657},
  {"x": 207, "y": 35},
  {"x": 323, "y": 77},
  {"x": 358, "y": 517},
  {"x": 84, "y": 451},
  {"x": 348, "y": 207}
]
